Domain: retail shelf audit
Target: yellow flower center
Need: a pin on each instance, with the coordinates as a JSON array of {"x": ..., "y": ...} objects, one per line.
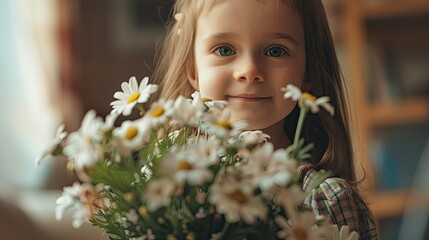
[
  {"x": 204, "y": 99},
  {"x": 130, "y": 197},
  {"x": 70, "y": 166},
  {"x": 300, "y": 234},
  {"x": 238, "y": 196},
  {"x": 184, "y": 165},
  {"x": 190, "y": 236},
  {"x": 133, "y": 97},
  {"x": 131, "y": 133},
  {"x": 157, "y": 112},
  {"x": 143, "y": 211},
  {"x": 224, "y": 124},
  {"x": 308, "y": 96}
]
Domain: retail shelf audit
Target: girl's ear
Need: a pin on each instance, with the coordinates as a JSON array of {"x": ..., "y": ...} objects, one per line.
[{"x": 191, "y": 74}]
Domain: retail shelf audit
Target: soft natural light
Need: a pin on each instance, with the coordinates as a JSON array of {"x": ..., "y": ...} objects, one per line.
[{"x": 28, "y": 89}]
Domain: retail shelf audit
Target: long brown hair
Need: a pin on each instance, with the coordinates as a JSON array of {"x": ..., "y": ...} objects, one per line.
[{"x": 330, "y": 135}]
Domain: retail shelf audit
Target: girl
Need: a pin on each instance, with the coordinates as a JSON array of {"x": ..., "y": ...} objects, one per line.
[{"x": 244, "y": 51}]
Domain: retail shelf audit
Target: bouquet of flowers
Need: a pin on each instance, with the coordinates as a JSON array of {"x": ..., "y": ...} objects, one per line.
[{"x": 184, "y": 171}]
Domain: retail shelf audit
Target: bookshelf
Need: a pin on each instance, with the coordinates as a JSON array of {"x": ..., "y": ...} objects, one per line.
[
  {"x": 366, "y": 26},
  {"x": 407, "y": 111}
]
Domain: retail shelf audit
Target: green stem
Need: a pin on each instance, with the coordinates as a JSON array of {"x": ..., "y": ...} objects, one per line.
[
  {"x": 141, "y": 109},
  {"x": 302, "y": 114},
  {"x": 225, "y": 228},
  {"x": 173, "y": 216}
]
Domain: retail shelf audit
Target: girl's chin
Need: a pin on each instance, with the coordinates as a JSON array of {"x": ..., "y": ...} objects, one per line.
[
  {"x": 255, "y": 122},
  {"x": 269, "y": 127},
  {"x": 252, "y": 126}
]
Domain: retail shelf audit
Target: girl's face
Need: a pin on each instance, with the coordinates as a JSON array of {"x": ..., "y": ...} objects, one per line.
[{"x": 245, "y": 51}]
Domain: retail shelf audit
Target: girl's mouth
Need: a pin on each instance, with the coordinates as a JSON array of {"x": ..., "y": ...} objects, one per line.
[{"x": 249, "y": 97}]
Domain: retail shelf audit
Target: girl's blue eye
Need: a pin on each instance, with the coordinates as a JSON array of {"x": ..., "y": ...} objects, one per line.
[
  {"x": 224, "y": 51},
  {"x": 275, "y": 52}
]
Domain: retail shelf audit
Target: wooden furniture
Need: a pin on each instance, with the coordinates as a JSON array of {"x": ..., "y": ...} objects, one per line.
[{"x": 363, "y": 25}]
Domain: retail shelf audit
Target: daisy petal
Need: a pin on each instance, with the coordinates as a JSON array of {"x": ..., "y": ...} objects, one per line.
[
  {"x": 133, "y": 84},
  {"x": 125, "y": 88}
]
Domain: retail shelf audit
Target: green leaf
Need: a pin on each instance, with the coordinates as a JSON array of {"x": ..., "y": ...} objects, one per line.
[{"x": 319, "y": 178}]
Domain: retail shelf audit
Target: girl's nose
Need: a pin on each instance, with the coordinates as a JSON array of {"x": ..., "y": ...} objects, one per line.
[{"x": 249, "y": 70}]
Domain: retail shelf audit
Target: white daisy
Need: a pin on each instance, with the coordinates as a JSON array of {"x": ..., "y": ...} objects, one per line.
[
  {"x": 187, "y": 112},
  {"x": 236, "y": 201},
  {"x": 121, "y": 220},
  {"x": 91, "y": 198},
  {"x": 302, "y": 226},
  {"x": 334, "y": 233},
  {"x": 214, "y": 103},
  {"x": 54, "y": 148},
  {"x": 69, "y": 200},
  {"x": 208, "y": 150},
  {"x": 109, "y": 124},
  {"x": 147, "y": 171},
  {"x": 292, "y": 92},
  {"x": 132, "y": 94},
  {"x": 159, "y": 112},
  {"x": 289, "y": 198},
  {"x": 158, "y": 193},
  {"x": 132, "y": 135},
  {"x": 253, "y": 137},
  {"x": 216, "y": 236},
  {"x": 91, "y": 125},
  {"x": 148, "y": 236},
  {"x": 185, "y": 166},
  {"x": 268, "y": 168},
  {"x": 132, "y": 216},
  {"x": 196, "y": 96},
  {"x": 308, "y": 99},
  {"x": 201, "y": 213},
  {"x": 83, "y": 146},
  {"x": 220, "y": 125}
]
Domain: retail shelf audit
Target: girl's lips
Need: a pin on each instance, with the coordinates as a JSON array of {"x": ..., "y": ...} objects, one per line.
[{"x": 248, "y": 97}]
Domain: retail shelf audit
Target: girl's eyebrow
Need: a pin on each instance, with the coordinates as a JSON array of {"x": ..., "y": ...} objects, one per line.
[
  {"x": 227, "y": 35},
  {"x": 285, "y": 36},
  {"x": 222, "y": 35}
]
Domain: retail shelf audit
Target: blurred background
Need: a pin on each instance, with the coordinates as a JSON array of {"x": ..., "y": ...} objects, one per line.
[{"x": 60, "y": 58}]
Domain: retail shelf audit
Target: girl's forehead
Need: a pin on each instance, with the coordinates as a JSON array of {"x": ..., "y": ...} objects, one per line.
[
  {"x": 257, "y": 14},
  {"x": 276, "y": 7},
  {"x": 209, "y": 4}
]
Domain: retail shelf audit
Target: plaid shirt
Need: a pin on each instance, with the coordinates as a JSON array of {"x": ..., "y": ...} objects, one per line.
[{"x": 334, "y": 198}]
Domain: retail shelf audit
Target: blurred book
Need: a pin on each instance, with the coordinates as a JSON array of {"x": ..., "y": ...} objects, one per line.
[
  {"x": 396, "y": 152},
  {"x": 397, "y": 71}
]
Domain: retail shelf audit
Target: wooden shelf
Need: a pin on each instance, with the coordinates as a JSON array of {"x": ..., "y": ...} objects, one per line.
[
  {"x": 388, "y": 203},
  {"x": 394, "y": 9},
  {"x": 407, "y": 111},
  {"x": 395, "y": 203},
  {"x": 384, "y": 21}
]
